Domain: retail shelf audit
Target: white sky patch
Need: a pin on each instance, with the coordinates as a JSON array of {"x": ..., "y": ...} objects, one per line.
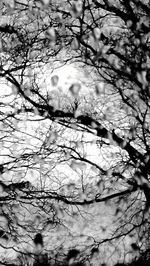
[
  {"x": 5, "y": 89},
  {"x": 66, "y": 75},
  {"x": 62, "y": 78}
]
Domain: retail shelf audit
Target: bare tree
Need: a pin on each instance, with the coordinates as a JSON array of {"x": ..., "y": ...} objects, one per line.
[{"x": 51, "y": 182}]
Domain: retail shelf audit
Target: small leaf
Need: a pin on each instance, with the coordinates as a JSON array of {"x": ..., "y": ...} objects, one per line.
[
  {"x": 129, "y": 23},
  {"x": 51, "y": 34},
  {"x": 72, "y": 254},
  {"x": 99, "y": 88},
  {"x": 75, "y": 44},
  {"x": 76, "y": 8},
  {"x": 38, "y": 240},
  {"x": 118, "y": 210},
  {"x": 141, "y": 76},
  {"x": 97, "y": 33},
  {"x": 134, "y": 246},
  {"x": 75, "y": 88},
  {"x": 54, "y": 80}
]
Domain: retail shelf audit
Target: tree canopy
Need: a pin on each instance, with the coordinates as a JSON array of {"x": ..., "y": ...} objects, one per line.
[{"x": 74, "y": 131}]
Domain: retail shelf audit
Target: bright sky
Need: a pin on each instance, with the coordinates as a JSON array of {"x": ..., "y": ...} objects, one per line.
[{"x": 67, "y": 75}]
